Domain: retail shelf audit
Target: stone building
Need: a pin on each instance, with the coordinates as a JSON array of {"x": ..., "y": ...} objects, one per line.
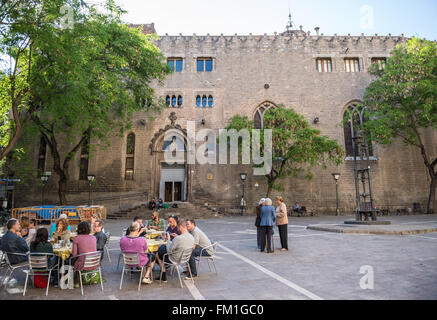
[{"x": 217, "y": 77}]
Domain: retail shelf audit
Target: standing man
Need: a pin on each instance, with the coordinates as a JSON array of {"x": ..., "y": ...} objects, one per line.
[
  {"x": 155, "y": 223},
  {"x": 258, "y": 222},
  {"x": 268, "y": 219},
  {"x": 200, "y": 241}
]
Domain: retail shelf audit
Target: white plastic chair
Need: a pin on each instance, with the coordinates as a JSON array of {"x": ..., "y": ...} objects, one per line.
[
  {"x": 209, "y": 258},
  {"x": 39, "y": 265},
  {"x": 92, "y": 260},
  {"x": 10, "y": 268},
  {"x": 132, "y": 259},
  {"x": 177, "y": 260}
]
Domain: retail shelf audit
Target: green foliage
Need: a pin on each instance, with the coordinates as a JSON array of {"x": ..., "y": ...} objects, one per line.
[
  {"x": 297, "y": 147},
  {"x": 403, "y": 97},
  {"x": 402, "y": 101}
]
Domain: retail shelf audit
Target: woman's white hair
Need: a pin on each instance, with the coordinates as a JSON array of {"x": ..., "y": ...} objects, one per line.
[
  {"x": 268, "y": 202},
  {"x": 262, "y": 201}
]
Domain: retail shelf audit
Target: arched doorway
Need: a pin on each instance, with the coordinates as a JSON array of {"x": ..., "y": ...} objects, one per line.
[{"x": 171, "y": 180}]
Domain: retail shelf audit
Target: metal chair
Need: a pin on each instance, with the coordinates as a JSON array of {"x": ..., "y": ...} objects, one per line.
[
  {"x": 39, "y": 265},
  {"x": 92, "y": 260},
  {"x": 132, "y": 259},
  {"x": 108, "y": 237},
  {"x": 209, "y": 258},
  {"x": 10, "y": 268},
  {"x": 177, "y": 260},
  {"x": 123, "y": 233}
]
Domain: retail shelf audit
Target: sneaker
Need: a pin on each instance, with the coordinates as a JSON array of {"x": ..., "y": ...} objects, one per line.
[
  {"x": 283, "y": 249},
  {"x": 147, "y": 281},
  {"x": 191, "y": 277}
]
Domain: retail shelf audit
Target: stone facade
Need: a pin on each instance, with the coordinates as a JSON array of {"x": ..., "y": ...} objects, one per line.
[{"x": 242, "y": 67}]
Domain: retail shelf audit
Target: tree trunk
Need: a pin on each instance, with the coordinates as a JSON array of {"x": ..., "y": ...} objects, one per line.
[{"x": 62, "y": 190}]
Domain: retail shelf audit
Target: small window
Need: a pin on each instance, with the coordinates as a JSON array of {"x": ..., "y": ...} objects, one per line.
[
  {"x": 198, "y": 101},
  {"x": 204, "y": 101},
  {"x": 180, "y": 101},
  {"x": 210, "y": 101},
  {"x": 204, "y": 65},
  {"x": 352, "y": 64},
  {"x": 380, "y": 61},
  {"x": 173, "y": 101},
  {"x": 130, "y": 155},
  {"x": 324, "y": 65},
  {"x": 168, "y": 101},
  {"x": 176, "y": 64}
]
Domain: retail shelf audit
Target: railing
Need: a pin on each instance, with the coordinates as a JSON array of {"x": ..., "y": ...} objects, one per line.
[
  {"x": 51, "y": 214},
  {"x": 110, "y": 198}
]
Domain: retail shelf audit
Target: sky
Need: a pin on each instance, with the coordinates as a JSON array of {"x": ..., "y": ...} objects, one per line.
[{"x": 412, "y": 18}]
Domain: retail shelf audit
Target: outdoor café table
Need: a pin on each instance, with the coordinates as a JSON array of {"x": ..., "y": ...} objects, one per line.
[
  {"x": 154, "y": 244},
  {"x": 63, "y": 253}
]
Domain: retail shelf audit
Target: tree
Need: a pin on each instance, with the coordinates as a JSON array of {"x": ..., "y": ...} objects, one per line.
[
  {"x": 103, "y": 73},
  {"x": 23, "y": 25},
  {"x": 402, "y": 102},
  {"x": 297, "y": 147}
]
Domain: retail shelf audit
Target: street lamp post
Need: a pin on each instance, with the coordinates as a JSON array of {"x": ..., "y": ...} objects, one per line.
[
  {"x": 91, "y": 179},
  {"x": 243, "y": 177},
  {"x": 44, "y": 179},
  {"x": 336, "y": 178}
]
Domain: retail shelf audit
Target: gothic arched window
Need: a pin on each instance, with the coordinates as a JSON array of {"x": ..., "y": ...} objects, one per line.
[
  {"x": 353, "y": 118},
  {"x": 210, "y": 101},
  {"x": 258, "y": 118},
  {"x": 130, "y": 155},
  {"x": 198, "y": 101}
]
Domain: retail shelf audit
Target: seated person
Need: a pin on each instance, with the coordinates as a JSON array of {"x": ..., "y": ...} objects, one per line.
[
  {"x": 160, "y": 204},
  {"x": 152, "y": 204},
  {"x": 134, "y": 243},
  {"x": 62, "y": 232},
  {"x": 297, "y": 208},
  {"x": 41, "y": 245},
  {"x": 53, "y": 227},
  {"x": 100, "y": 235},
  {"x": 142, "y": 228},
  {"x": 83, "y": 243},
  {"x": 28, "y": 229},
  {"x": 12, "y": 242},
  {"x": 172, "y": 228},
  {"x": 200, "y": 241},
  {"x": 181, "y": 242},
  {"x": 155, "y": 223}
]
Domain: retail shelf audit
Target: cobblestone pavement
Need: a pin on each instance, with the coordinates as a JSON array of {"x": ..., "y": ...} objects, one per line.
[{"x": 319, "y": 265}]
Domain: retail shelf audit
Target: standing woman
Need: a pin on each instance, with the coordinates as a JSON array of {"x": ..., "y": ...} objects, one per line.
[
  {"x": 282, "y": 222},
  {"x": 268, "y": 218},
  {"x": 258, "y": 222}
]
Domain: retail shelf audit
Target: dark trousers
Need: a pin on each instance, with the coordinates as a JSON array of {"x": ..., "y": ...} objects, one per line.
[
  {"x": 258, "y": 237},
  {"x": 266, "y": 238},
  {"x": 192, "y": 262},
  {"x": 283, "y": 234}
]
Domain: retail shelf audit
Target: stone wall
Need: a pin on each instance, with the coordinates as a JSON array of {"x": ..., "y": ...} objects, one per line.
[{"x": 243, "y": 65}]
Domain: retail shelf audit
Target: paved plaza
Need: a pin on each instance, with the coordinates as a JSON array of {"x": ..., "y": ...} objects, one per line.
[{"x": 319, "y": 265}]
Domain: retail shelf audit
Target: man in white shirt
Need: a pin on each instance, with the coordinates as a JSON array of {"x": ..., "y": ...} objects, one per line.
[
  {"x": 200, "y": 241},
  {"x": 180, "y": 243}
]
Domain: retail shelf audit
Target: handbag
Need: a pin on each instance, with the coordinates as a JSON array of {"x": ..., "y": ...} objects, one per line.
[
  {"x": 40, "y": 281},
  {"x": 91, "y": 278}
]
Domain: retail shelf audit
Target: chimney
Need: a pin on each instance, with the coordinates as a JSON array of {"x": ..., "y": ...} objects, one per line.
[{"x": 317, "y": 30}]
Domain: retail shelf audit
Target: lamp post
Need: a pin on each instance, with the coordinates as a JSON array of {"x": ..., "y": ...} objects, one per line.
[
  {"x": 44, "y": 179},
  {"x": 91, "y": 179},
  {"x": 336, "y": 177},
  {"x": 243, "y": 177}
]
